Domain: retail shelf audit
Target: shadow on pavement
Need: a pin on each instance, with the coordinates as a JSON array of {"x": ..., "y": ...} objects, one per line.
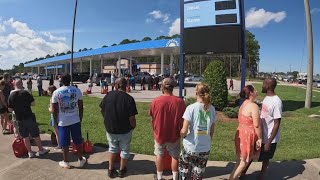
[{"x": 276, "y": 170}]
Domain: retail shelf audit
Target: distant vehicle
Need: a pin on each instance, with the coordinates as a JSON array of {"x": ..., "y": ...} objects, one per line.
[
  {"x": 80, "y": 77},
  {"x": 44, "y": 77},
  {"x": 97, "y": 77},
  {"x": 194, "y": 78},
  {"x": 316, "y": 83},
  {"x": 25, "y": 76},
  {"x": 146, "y": 75}
]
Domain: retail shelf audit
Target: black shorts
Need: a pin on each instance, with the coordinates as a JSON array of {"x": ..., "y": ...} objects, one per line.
[
  {"x": 3, "y": 110},
  {"x": 28, "y": 127},
  {"x": 267, "y": 155}
]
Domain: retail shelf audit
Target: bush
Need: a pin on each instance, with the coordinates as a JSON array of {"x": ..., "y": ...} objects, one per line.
[
  {"x": 190, "y": 100},
  {"x": 231, "y": 112},
  {"x": 215, "y": 77}
]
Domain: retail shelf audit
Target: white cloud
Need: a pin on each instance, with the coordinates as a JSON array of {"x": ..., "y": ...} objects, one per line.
[
  {"x": 54, "y": 38},
  {"x": 260, "y": 18},
  {"x": 315, "y": 10},
  {"x": 19, "y": 43},
  {"x": 2, "y": 28},
  {"x": 158, "y": 15},
  {"x": 175, "y": 28}
]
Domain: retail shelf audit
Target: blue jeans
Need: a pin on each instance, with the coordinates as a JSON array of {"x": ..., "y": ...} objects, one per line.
[
  {"x": 119, "y": 142},
  {"x": 40, "y": 90}
]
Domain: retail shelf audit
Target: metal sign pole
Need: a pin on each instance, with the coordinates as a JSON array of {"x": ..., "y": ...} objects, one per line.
[
  {"x": 244, "y": 49},
  {"x": 181, "y": 76}
]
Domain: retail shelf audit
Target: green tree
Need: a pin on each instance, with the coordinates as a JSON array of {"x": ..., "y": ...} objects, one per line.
[
  {"x": 114, "y": 44},
  {"x": 69, "y": 52},
  {"x": 161, "y": 37},
  {"x": 253, "y": 53},
  {"x": 215, "y": 77},
  {"x": 125, "y": 41},
  {"x": 146, "y": 39},
  {"x": 104, "y": 46},
  {"x": 175, "y": 36}
]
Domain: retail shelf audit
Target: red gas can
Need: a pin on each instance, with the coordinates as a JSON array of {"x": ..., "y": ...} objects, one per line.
[{"x": 19, "y": 148}]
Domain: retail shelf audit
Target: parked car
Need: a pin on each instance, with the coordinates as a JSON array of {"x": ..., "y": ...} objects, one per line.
[
  {"x": 316, "y": 83},
  {"x": 194, "y": 78},
  {"x": 25, "y": 76},
  {"x": 80, "y": 77},
  {"x": 97, "y": 77},
  {"x": 140, "y": 75}
]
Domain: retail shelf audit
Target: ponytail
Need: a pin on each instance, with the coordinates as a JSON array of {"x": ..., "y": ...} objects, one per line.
[{"x": 202, "y": 90}]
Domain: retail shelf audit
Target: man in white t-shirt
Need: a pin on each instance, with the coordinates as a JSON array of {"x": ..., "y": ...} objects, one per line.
[
  {"x": 271, "y": 114},
  {"x": 67, "y": 113}
]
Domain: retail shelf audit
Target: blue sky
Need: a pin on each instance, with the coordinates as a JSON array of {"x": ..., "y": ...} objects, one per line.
[{"x": 34, "y": 28}]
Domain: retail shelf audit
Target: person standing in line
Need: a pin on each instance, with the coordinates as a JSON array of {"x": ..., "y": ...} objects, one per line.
[
  {"x": 199, "y": 121},
  {"x": 231, "y": 84},
  {"x": 67, "y": 105},
  {"x": 51, "y": 90},
  {"x": 166, "y": 112},
  {"x": 29, "y": 85},
  {"x": 102, "y": 84},
  {"x": 20, "y": 101},
  {"x": 8, "y": 87},
  {"x": 133, "y": 82},
  {"x": 119, "y": 109},
  {"x": 39, "y": 85},
  {"x": 51, "y": 81},
  {"x": 3, "y": 108},
  {"x": 271, "y": 114},
  {"x": 248, "y": 137},
  {"x": 113, "y": 79}
]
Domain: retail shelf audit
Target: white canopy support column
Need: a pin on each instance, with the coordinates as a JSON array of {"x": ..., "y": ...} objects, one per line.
[
  {"x": 66, "y": 67},
  {"x": 119, "y": 66},
  {"x": 171, "y": 64},
  {"x": 162, "y": 63},
  {"x": 38, "y": 69},
  {"x": 46, "y": 68},
  {"x": 56, "y": 68},
  {"x": 101, "y": 64},
  {"x": 130, "y": 65},
  {"x": 90, "y": 65},
  {"x": 81, "y": 65}
]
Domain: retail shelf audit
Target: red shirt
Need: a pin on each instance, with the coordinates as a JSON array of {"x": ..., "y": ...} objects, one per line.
[{"x": 167, "y": 121}]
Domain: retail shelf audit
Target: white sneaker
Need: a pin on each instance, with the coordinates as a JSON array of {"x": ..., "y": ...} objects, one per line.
[
  {"x": 64, "y": 164},
  {"x": 83, "y": 162},
  {"x": 32, "y": 154},
  {"x": 44, "y": 151}
]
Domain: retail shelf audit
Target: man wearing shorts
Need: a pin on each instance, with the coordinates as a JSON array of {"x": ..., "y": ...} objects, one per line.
[
  {"x": 67, "y": 114},
  {"x": 166, "y": 112},
  {"x": 118, "y": 109},
  {"x": 20, "y": 101},
  {"x": 271, "y": 114}
]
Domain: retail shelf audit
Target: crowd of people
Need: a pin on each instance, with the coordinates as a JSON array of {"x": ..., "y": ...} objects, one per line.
[{"x": 255, "y": 139}]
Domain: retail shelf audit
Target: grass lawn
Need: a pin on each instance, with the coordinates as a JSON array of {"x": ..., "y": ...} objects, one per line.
[{"x": 299, "y": 134}]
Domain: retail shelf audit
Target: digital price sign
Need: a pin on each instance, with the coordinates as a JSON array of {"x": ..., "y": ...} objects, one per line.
[{"x": 212, "y": 26}]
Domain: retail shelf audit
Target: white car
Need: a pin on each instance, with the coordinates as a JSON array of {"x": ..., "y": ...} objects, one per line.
[
  {"x": 194, "y": 78},
  {"x": 316, "y": 84}
]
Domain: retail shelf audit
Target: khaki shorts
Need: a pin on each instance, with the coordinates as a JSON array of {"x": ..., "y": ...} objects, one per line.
[{"x": 172, "y": 148}]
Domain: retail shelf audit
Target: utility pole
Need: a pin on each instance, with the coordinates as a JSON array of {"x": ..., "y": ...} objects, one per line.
[
  {"x": 310, "y": 55},
  {"x": 72, "y": 45}
]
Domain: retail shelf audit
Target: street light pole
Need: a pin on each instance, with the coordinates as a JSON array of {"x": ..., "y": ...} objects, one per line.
[
  {"x": 310, "y": 55},
  {"x": 72, "y": 45}
]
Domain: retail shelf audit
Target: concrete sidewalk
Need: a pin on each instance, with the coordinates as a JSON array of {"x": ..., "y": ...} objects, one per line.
[{"x": 140, "y": 166}]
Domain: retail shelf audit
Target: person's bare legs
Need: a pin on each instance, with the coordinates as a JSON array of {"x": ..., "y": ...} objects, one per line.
[
  {"x": 80, "y": 151},
  {"x": 238, "y": 171},
  {"x": 174, "y": 167},
  {"x": 123, "y": 163},
  {"x": 38, "y": 143},
  {"x": 112, "y": 158},
  {"x": 4, "y": 120},
  {"x": 56, "y": 131},
  {"x": 246, "y": 169},
  {"x": 65, "y": 154},
  {"x": 27, "y": 143},
  {"x": 159, "y": 163},
  {"x": 264, "y": 168},
  {"x": 235, "y": 167}
]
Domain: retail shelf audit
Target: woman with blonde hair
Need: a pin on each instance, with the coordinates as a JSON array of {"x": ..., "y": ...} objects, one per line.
[
  {"x": 248, "y": 137},
  {"x": 197, "y": 131}
]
